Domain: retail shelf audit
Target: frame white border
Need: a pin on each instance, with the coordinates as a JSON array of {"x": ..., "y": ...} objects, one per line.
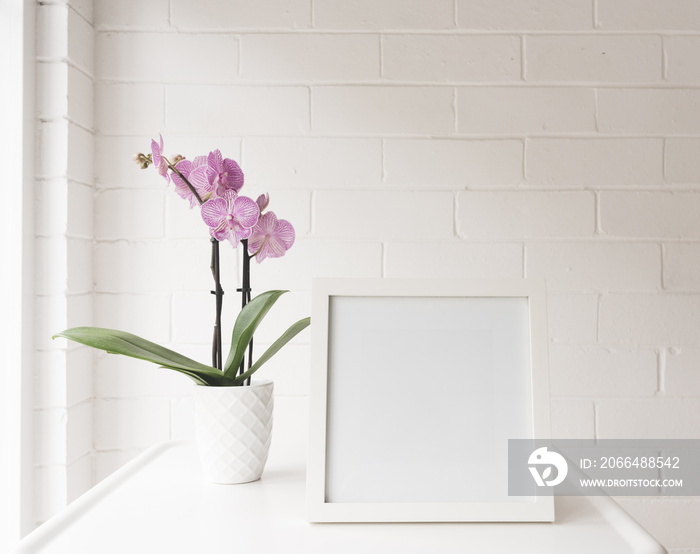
[{"x": 318, "y": 510}]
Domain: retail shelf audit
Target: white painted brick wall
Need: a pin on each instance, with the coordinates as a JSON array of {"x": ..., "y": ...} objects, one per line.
[
  {"x": 525, "y": 15},
  {"x": 595, "y": 266},
  {"x": 681, "y": 68},
  {"x": 594, "y": 58},
  {"x": 237, "y": 14},
  {"x": 458, "y": 260},
  {"x": 602, "y": 372},
  {"x": 680, "y": 262},
  {"x": 507, "y": 111},
  {"x": 594, "y": 163},
  {"x": 214, "y": 58},
  {"x": 664, "y": 215},
  {"x": 320, "y": 163},
  {"x": 249, "y": 110},
  {"x": 521, "y": 215},
  {"x": 647, "y": 15},
  {"x": 63, "y": 422},
  {"x": 563, "y": 328},
  {"x": 648, "y": 111},
  {"x": 434, "y": 163},
  {"x": 648, "y": 319},
  {"x": 131, "y": 14},
  {"x": 682, "y": 164},
  {"x": 304, "y": 57},
  {"x": 461, "y": 138},
  {"x": 392, "y": 14},
  {"x": 385, "y": 215},
  {"x": 382, "y": 110},
  {"x": 681, "y": 377},
  {"x": 451, "y": 58}
]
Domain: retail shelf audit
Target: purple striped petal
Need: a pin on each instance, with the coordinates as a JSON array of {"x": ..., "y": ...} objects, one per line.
[
  {"x": 242, "y": 232},
  {"x": 222, "y": 233},
  {"x": 185, "y": 167},
  {"x": 246, "y": 211},
  {"x": 200, "y": 179},
  {"x": 214, "y": 212},
  {"x": 285, "y": 233},
  {"x": 231, "y": 176},
  {"x": 271, "y": 238},
  {"x": 215, "y": 160},
  {"x": 183, "y": 191},
  {"x": 157, "y": 150}
]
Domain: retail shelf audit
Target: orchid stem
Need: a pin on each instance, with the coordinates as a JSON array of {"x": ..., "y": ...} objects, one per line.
[
  {"x": 216, "y": 347},
  {"x": 245, "y": 298}
]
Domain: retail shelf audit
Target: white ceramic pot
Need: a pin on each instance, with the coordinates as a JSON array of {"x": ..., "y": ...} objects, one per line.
[{"x": 234, "y": 428}]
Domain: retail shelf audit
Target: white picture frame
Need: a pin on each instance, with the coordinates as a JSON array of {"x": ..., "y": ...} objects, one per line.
[{"x": 416, "y": 386}]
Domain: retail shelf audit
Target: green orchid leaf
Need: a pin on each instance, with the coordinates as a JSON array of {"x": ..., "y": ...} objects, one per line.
[
  {"x": 217, "y": 380},
  {"x": 288, "y": 335},
  {"x": 126, "y": 344},
  {"x": 246, "y": 323},
  {"x": 197, "y": 379}
]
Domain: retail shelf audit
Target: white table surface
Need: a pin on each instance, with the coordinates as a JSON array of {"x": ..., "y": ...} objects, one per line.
[{"x": 160, "y": 502}]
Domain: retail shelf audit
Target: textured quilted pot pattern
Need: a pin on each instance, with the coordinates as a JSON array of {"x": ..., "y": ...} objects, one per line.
[{"x": 234, "y": 428}]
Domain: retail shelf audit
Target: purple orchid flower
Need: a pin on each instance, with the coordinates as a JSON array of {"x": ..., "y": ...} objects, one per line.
[
  {"x": 230, "y": 217},
  {"x": 271, "y": 237},
  {"x": 192, "y": 170},
  {"x": 159, "y": 161},
  {"x": 223, "y": 173}
]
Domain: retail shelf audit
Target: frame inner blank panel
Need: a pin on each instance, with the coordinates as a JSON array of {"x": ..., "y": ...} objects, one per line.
[{"x": 412, "y": 385}]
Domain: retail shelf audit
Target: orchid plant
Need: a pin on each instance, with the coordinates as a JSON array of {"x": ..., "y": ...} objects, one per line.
[{"x": 213, "y": 184}]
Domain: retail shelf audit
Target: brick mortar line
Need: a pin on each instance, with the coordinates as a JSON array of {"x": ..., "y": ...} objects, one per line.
[
  {"x": 69, "y": 62},
  {"x": 60, "y": 118},
  {"x": 591, "y": 239},
  {"x": 520, "y": 187},
  {"x": 81, "y": 15},
  {"x": 669, "y": 188},
  {"x": 66, "y": 407},
  {"x": 596, "y": 419},
  {"x": 39, "y": 179},
  {"x": 66, "y": 464},
  {"x": 652, "y": 397},
  {"x": 63, "y": 235},
  {"x": 283, "y": 31},
  {"x": 385, "y": 82},
  {"x": 598, "y": 216},
  {"x": 594, "y": 16},
  {"x": 446, "y": 137},
  {"x": 588, "y": 135},
  {"x": 67, "y": 5},
  {"x": 663, "y": 265}
]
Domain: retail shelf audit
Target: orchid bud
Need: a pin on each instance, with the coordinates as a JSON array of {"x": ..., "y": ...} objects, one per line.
[
  {"x": 263, "y": 201},
  {"x": 177, "y": 158},
  {"x": 143, "y": 160}
]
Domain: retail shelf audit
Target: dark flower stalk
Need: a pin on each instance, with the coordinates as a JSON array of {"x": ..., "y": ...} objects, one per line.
[{"x": 245, "y": 291}]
